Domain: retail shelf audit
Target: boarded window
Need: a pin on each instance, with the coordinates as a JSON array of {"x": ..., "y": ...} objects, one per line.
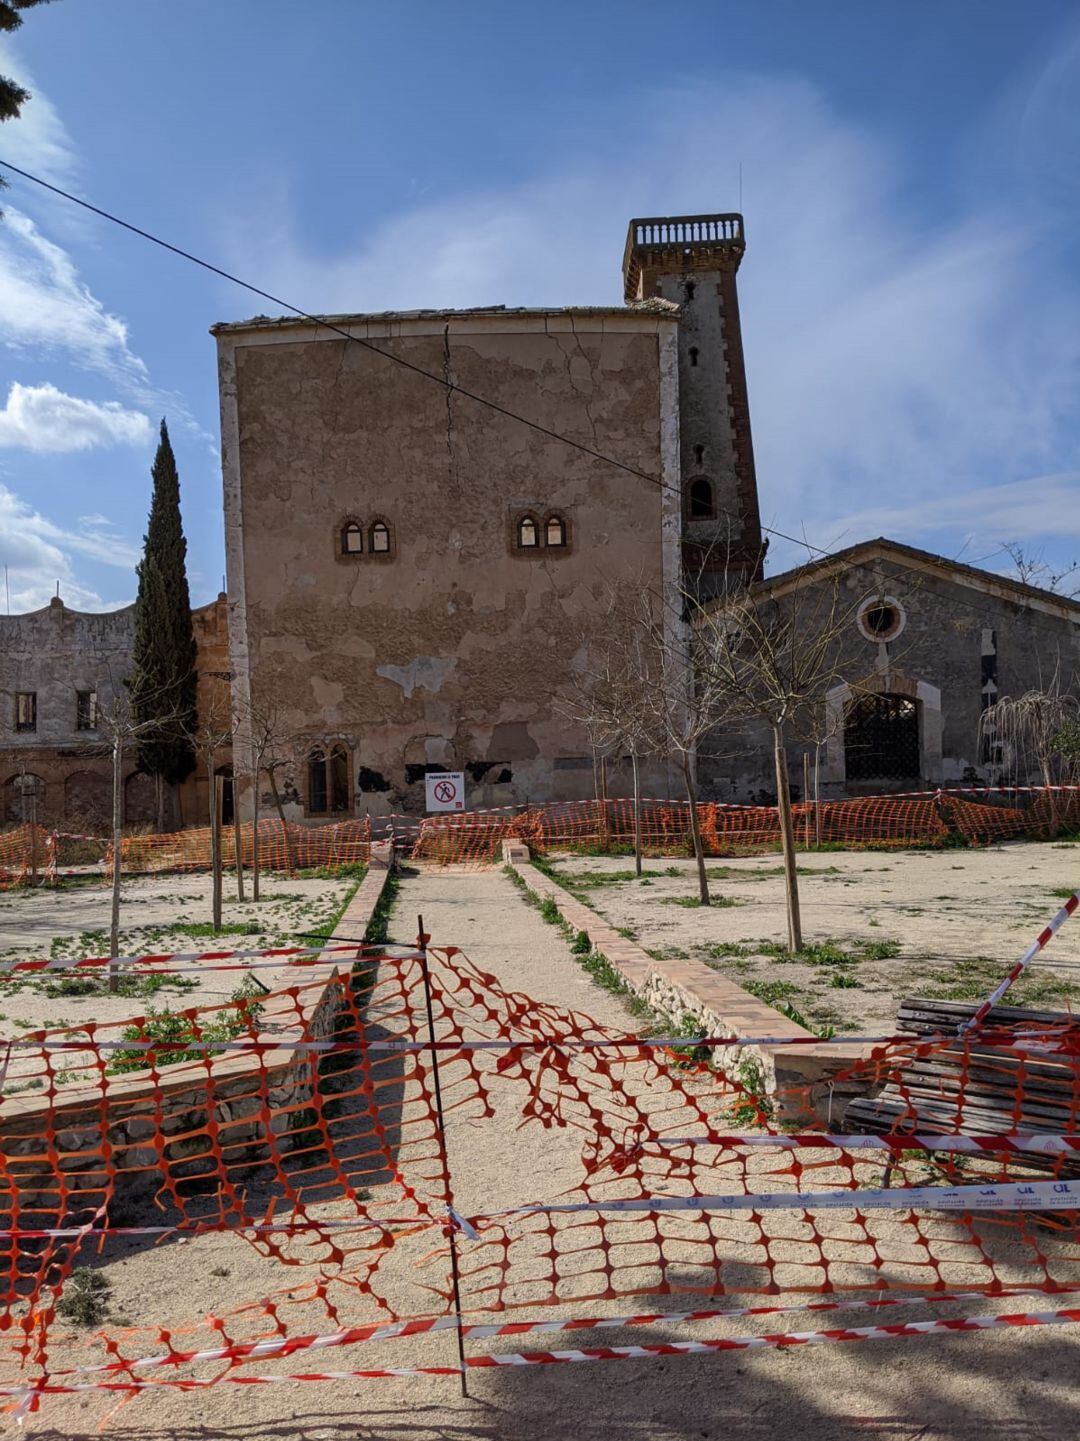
[
  {"x": 316, "y": 785},
  {"x": 881, "y": 738},
  {"x": 379, "y": 538},
  {"x": 339, "y": 779},
  {"x": 528, "y": 534},
  {"x": 86, "y": 718},
  {"x": 26, "y": 710},
  {"x": 352, "y": 539}
]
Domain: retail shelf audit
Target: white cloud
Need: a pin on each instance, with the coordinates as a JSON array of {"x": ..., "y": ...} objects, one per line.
[
  {"x": 43, "y": 418},
  {"x": 46, "y": 309},
  {"x": 37, "y": 554},
  {"x": 889, "y": 355},
  {"x": 38, "y": 140}
]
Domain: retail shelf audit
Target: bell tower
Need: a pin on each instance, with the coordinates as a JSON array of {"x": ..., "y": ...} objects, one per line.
[{"x": 693, "y": 260}]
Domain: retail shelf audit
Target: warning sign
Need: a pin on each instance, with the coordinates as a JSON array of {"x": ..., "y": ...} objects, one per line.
[{"x": 446, "y": 791}]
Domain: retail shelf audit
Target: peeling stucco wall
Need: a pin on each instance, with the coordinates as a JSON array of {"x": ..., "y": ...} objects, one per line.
[{"x": 452, "y": 651}]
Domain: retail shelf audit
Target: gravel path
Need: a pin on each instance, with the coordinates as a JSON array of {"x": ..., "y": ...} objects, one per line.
[{"x": 1020, "y": 1384}]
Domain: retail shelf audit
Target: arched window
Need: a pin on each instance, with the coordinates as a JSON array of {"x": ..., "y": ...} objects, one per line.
[
  {"x": 688, "y": 290},
  {"x": 701, "y": 499},
  {"x": 379, "y": 538},
  {"x": 316, "y": 783},
  {"x": 693, "y": 355},
  {"x": 328, "y": 781},
  {"x": 352, "y": 538},
  {"x": 699, "y": 455},
  {"x": 555, "y": 532},
  {"x": 528, "y": 533}
]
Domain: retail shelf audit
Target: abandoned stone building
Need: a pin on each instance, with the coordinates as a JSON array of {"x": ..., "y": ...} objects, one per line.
[
  {"x": 425, "y": 514},
  {"x": 410, "y": 571},
  {"x": 62, "y": 672},
  {"x": 924, "y": 645}
]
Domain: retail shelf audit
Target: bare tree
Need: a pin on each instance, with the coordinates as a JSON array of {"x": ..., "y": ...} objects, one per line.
[
  {"x": 1037, "y": 732},
  {"x": 773, "y": 658},
  {"x": 272, "y": 748},
  {"x": 608, "y": 701},
  {"x": 120, "y": 728},
  {"x": 214, "y": 733},
  {"x": 1032, "y": 568}
]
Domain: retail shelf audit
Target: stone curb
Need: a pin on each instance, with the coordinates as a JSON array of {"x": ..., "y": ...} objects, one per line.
[{"x": 677, "y": 988}]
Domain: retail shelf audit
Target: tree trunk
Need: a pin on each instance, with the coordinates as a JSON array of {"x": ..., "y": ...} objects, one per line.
[
  {"x": 695, "y": 830},
  {"x": 159, "y": 800},
  {"x": 817, "y": 795},
  {"x": 255, "y": 836},
  {"x": 237, "y": 838},
  {"x": 215, "y": 848},
  {"x": 637, "y": 812},
  {"x": 117, "y": 842},
  {"x": 284, "y": 824},
  {"x": 787, "y": 840}
]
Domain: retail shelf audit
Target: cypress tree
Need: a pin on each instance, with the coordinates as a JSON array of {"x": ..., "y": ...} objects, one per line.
[{"x": 163, "y": 681}]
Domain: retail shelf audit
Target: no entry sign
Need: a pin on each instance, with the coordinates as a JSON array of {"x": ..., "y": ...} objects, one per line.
[{"x": 446, "y": 791}]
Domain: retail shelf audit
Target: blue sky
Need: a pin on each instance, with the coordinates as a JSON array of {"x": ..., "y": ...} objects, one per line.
[{"x": 910, "y": 180}]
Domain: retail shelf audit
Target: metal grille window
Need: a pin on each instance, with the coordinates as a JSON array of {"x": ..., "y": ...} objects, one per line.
[
  {"x": 26, "y": 710},
  {"x": 881, "y": 738},
  {"x": 86, "y": 715}
]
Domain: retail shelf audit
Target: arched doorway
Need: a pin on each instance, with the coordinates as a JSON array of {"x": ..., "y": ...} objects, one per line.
[
  {"x": 24, "y": 798},
  {"x": 881, "y": 738}
]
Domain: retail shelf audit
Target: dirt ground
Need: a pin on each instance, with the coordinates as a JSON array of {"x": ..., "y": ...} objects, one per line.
[
  {"x": 1015, "y": 1384},
  {"x": 158, "y": 914},
  {"x": 930, "y": 923}
]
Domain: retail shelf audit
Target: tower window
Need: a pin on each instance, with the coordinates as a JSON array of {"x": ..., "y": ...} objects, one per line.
[
  {"x": 528, "y": 533},
  {"x": 693, "y": 355},
  {"x": 688, "y": 290},
  {"x": 352, "y": 538},
  {"x": 379, "y": 538},
  {"x": 701, "y": 499},
  {"x": 699, "y": 455},
  {"x": 555, "y": 531}
]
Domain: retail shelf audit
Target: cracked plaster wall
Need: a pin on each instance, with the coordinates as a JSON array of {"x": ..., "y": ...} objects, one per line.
[{"x": 453, "y": 651}]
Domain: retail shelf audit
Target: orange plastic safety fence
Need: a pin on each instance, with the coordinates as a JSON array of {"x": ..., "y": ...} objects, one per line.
[
  {"x": 305, "y": 1125},
  {"x": 934, "y": 819},
  {"x": 25, "y": 850}
]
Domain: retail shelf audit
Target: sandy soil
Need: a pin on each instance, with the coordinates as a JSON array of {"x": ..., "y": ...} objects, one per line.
[
  {"x": 955, "y": 921},
  {"x": 159, "y": 914},
  {"x": 1019, "y": 1384}
]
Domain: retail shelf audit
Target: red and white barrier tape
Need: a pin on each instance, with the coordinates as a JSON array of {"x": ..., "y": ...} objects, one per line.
[
  {"x": 28, "y": 1394},
  {"x": 483, "y": 1330},
  {"x": 1041, "y": 940}
]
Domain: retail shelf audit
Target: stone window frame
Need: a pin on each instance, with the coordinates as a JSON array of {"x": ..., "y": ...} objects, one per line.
[
  {"x": 344, "y": 524},
  {"x": 323, "y": 754},
  {"x": 29, "y": 725},
  {"x": 878, "y": 600},
  {"x": 390, "y": 552},
  {"x": 86, "y": 716},
  {"x": 541, "y": 519}
]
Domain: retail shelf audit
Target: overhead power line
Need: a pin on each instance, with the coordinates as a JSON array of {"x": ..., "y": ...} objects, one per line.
[{"x": 448, "y": 386}]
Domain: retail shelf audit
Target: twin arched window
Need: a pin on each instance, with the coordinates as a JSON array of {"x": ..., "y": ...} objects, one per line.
[
  {"x": 379, "y": 540},
  {"x": 551, "y": 534}
]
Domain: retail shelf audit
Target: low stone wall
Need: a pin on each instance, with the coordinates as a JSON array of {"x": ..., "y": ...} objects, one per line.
[
  {"x": 678, "y": 988},
  {"x": 129, "y": 1135}
]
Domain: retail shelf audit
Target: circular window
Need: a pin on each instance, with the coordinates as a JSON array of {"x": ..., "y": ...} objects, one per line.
[{"x": 881, "y": 618}]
